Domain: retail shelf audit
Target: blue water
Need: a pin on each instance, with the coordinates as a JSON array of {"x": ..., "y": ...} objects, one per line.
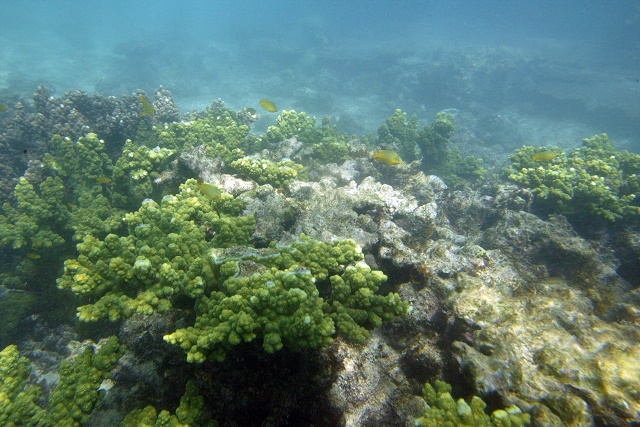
[{"x": 356, "y": 60}]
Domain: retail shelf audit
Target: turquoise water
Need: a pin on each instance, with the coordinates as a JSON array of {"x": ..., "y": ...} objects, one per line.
[{"x": 360, "y": 60}]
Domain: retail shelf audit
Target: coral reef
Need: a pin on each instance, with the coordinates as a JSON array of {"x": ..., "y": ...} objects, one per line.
[
  {"x": 277, "y": 275},
  {"x": 591, "y": 183},
  {"x": 52, "y": 205},
  {"x": 483, "y": 256},
  {"x": 79, "y": 166},
  {"x": 137, "y": 174},
  {"x": 172, "y": 250},
  {"x": 266, "y": 172},
  {"x": 400, "y": 135},
  {"x": 79, "y": 389},
  {"x": 31, "y": 128}
]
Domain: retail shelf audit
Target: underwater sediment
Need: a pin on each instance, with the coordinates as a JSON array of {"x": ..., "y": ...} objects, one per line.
[{"x": 173, "y": 270}]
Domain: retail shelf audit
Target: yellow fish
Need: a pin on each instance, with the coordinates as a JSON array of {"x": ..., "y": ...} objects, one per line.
[
  {"x": 210, "y": 191},
  {"x": 148, "y": 108},
  {"x": 544, "y": 156},
  {"x": 103, "y": 180},
  {"x": 268, "y": 105},
  {"x": 387, "y": 156},
  {"x": 3, "y": 108},
  {"x": 33, "y": 255}
]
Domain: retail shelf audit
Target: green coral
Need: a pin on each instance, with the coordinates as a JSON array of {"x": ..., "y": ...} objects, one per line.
[
  {"x": 160, "y": 259},
  {"x": 38, "y": 219},
  {"x": 281, "y": 302},
  {"x": 173, "y": 250},
  {"x": 595, "y": 181},
  {"x": 77, "y": 392},
  {"x": 190, "y": 413},
  {"x": 444, "y": 411},
  {"x": 136, "y": 172},
  {"x": 15, "y": 306},
  {"x": 34, "y": 230},
  {"x": 401, "y": 135},
  {"x": 289, "y": 124},
  {"x": 75, "y": 396},
  {"x": 218, "y": 130},
  {"x": 18, "y": 399},
  {"x": 433, "y": 142},
  {"x": 429, "y": 144},
  {"x": 266, "y": 172},
  {"x": 61, "y": 202},
  {"x": 79, "y": 165}
]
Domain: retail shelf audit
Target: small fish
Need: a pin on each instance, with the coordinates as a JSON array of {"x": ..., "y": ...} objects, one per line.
[
  {"x": 106, "y": 385},
  {"x": 252, "y": 111},
  {"x": 148, "y": 108},
  {"x": 210, "y": 191},
  {"x": 387, "y": 156},
  {"x": 4, "y": 292},
  {"x": 103, "y": 180},
  {"x": 268, "y": 105},
  {"x": 3, "y": 108},
  {"x": 544, "y": 156},
  {"x": 33, "y": 255}
]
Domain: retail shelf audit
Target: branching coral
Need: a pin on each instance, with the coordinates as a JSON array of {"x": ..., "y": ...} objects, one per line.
[
  {"x": 136, "y": 172},
  {"x": 289, "y": 124},
  {"x": 159, "y": 259},
  {"x": 266, "y": 172},
  {"x": 443, "y": 410},
  {"x": 595, "y": 181},
  {"x": 295, "y": 296},
  {"x": 80, "y": 165},
  {"x": 190, "y": 413},
  {"x": 430, "y": 145},
  {"x": 77, "y": 392},
  {"x": 18, "y": 400},
  {"x": 75, "y": 396}
]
